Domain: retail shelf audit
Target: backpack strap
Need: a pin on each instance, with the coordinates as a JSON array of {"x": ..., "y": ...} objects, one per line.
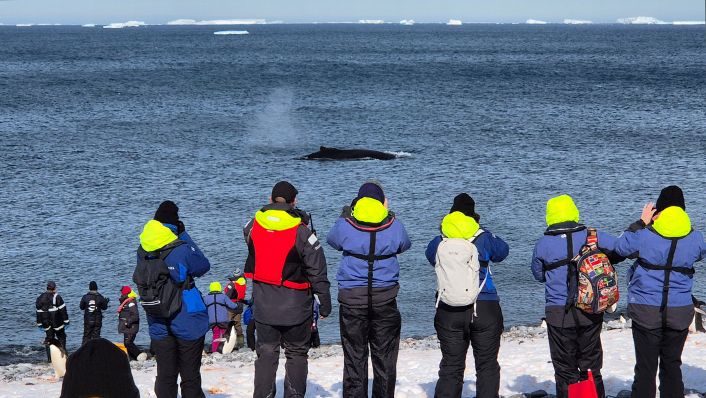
[
  {"x": 665, "y": 288},
  {"x": 371, "y": 262}
]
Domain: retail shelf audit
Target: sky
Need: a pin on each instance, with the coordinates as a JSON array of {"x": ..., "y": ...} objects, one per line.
[{"x": 161, "y": 11}]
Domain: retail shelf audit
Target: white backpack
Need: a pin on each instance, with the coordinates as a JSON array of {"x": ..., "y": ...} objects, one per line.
[{"x": 458, "y": 271}]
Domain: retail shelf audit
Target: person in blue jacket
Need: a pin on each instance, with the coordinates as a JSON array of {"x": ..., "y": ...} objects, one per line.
[
  {"x": 574, "y": 336},
  {"x": 219, "y": 308},
  {"x": 457, "y": 327},
  {"x": 370, "y": 237},
  {"x": 659, "y": 291},
  {"x": 178, "y": 341}
]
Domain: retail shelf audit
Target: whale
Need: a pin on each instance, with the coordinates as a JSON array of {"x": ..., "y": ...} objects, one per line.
[{"x": 327, "y": 153}]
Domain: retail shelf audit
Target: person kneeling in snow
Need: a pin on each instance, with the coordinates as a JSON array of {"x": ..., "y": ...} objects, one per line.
[{"x": 462, "y": 319}]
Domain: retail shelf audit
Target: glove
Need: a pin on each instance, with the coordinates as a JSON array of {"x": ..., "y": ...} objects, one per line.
[
  {"x": 180, "y": 227},
  {"x": 325, "y": 308}
]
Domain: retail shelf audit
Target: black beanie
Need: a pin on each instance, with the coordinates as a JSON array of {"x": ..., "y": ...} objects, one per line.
[
  {"x": 51, "y": 285},
  {"x": 465, "y": 204},
  {"x": 93, "y": 285},
  {"x": 98, "y": 369},
  {"x": 284, "y": 190},
  {"x": 167, "y": 213},
  {"x": 670, "y": 196}
]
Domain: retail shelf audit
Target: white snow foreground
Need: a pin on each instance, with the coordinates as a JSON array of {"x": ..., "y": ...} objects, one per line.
[{"x": 524, "y": 358}]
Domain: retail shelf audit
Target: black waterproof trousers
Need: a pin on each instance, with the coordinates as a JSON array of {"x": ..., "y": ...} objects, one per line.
[
  {"x": 381, "y": 333},
  {"x": 129, "y": 341},
  {"x": 178, "y": 358},
  {"x": 56, "y": 334},
  {"x": 456, "y": 328},
  {"x": 295, "y": 340},
  {"x": 574, "y": 351},
  {"x": 91, "y": 331},
  {"x": 653, "y": 346}
]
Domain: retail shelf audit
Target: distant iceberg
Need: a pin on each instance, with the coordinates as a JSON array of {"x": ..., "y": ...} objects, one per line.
[
  {"x": 231, "y": 32},
  {"x": 24, "y": 25},
  {"x": 689, "y": 23},
  {"x": 218, "y": 22},
  {"x": 408, "y": 22},
  {"x": 89, "y": 25},
  {"x": 454, "y": 22},
  {"x": 371, "y": 21},
  {"x": 641, "y": 21},
  {"x": 577, "y": 22},
  {"x": 535, "y": 22},
  {"x": 128, "y": 24}
]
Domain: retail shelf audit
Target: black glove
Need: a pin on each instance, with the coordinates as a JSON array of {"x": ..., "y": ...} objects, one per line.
[
  {"x": 180, "y": 227},
  {"x": 324, "y": 305}
]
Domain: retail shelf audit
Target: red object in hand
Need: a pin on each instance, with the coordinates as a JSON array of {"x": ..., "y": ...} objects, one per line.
[{"x": 584, "y": 389}]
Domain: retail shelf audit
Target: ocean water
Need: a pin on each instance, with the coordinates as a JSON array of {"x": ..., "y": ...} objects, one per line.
[{"x": 97, "y": 127}]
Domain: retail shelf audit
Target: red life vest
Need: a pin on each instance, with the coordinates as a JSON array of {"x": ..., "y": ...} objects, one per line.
[{"x": 276, "y": 259}]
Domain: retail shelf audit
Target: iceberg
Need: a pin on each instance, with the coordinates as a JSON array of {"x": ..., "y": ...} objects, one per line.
[
  {"x": 407, "y": 22},
  {"x": 371, "y": 21},
  {"x": 454, "y": 22},
  {"x": 128, "y": 24},
  {"x": 231, "y": 32},
  {"x": 218, "y": 22},
  {"x": 24, "y": 25},
  {"x": 640, "y": 21},
  {"x": 689, "y": 23},
  {"x": 89, "y": 25},
  {"x": 577, "y": 22},
  {"x": 535, "y": 22}
]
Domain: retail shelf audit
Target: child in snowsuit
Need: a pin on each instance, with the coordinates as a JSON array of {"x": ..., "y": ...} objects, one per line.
[{"x": 218, "y": 305}]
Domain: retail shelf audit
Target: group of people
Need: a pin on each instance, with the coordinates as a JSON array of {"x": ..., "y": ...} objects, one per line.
[
  {"x": 288, "y": 269},
  {"x": 53, "y": 318}
]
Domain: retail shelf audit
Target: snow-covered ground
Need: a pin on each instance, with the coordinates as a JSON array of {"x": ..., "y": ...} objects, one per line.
[{"x": 524, "y": 358}]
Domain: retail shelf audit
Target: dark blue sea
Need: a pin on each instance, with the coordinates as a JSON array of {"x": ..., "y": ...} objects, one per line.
[{"x": 98, "y": 126}]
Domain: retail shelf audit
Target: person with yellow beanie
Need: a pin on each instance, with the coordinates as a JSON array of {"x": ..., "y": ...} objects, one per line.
[
  {"x": 218, "y": 305},
  {"x": 665, "y": 247},
  {"x": 574, "y": 336}
]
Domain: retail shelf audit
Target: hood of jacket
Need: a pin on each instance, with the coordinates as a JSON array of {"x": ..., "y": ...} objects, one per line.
[
  {"x": 276, "y": 217},
  {"x": 673, "y": 222},
  {"x": 155, "y": 236},
  {"x": 369, "y": 211},
  {"x": 459, "y": 225},
  {"x": 561, "y": 209}
]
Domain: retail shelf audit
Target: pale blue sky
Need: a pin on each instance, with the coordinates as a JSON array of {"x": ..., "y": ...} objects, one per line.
[{"x": 160, "y": 11}]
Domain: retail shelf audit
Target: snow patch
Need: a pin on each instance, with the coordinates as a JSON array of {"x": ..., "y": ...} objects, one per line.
[
  {"x": 640, "y": 21},
  {"x": 535, "y": 22},
  {"x": 218, "y": 22},
  {"x": 128, "y": 24},
  {"x": 454, "y": 22},
  {"x": 577, "y": 22}
]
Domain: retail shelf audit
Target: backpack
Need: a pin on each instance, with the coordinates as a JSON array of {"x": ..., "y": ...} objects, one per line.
[
  {"x": 160, "y": 296},
  {"x": 458, "y": 271},
  {"x": 596, "y": 286}
]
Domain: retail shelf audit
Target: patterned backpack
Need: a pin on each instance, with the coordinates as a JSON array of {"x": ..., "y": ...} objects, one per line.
[{"x": 597, "y": 284}]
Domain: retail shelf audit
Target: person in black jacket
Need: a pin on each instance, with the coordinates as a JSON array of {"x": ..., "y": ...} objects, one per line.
[
  {"x": 287, "y": 265},
  {"x": 93, "y": 304},
  {"x": 129, "y": 320},
  {"x": 52, "y": 316}
]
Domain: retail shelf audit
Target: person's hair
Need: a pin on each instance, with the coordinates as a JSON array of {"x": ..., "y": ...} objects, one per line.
[{"x": 279, "y": 199}]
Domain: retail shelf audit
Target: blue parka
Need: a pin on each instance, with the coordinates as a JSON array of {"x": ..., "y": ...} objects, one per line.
[
  {"x": 348, "y": 235},
  {"x": 650, "y": 246},
  {"x": 490, "y": 248},
  {"x": 191, "y": 322},
  {"x": 218, "y": 305}
]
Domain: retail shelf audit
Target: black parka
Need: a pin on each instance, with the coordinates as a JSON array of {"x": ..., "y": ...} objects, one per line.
[
  {"x": 93, "y": 304},
  {"x": 51, "y": 311}
]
